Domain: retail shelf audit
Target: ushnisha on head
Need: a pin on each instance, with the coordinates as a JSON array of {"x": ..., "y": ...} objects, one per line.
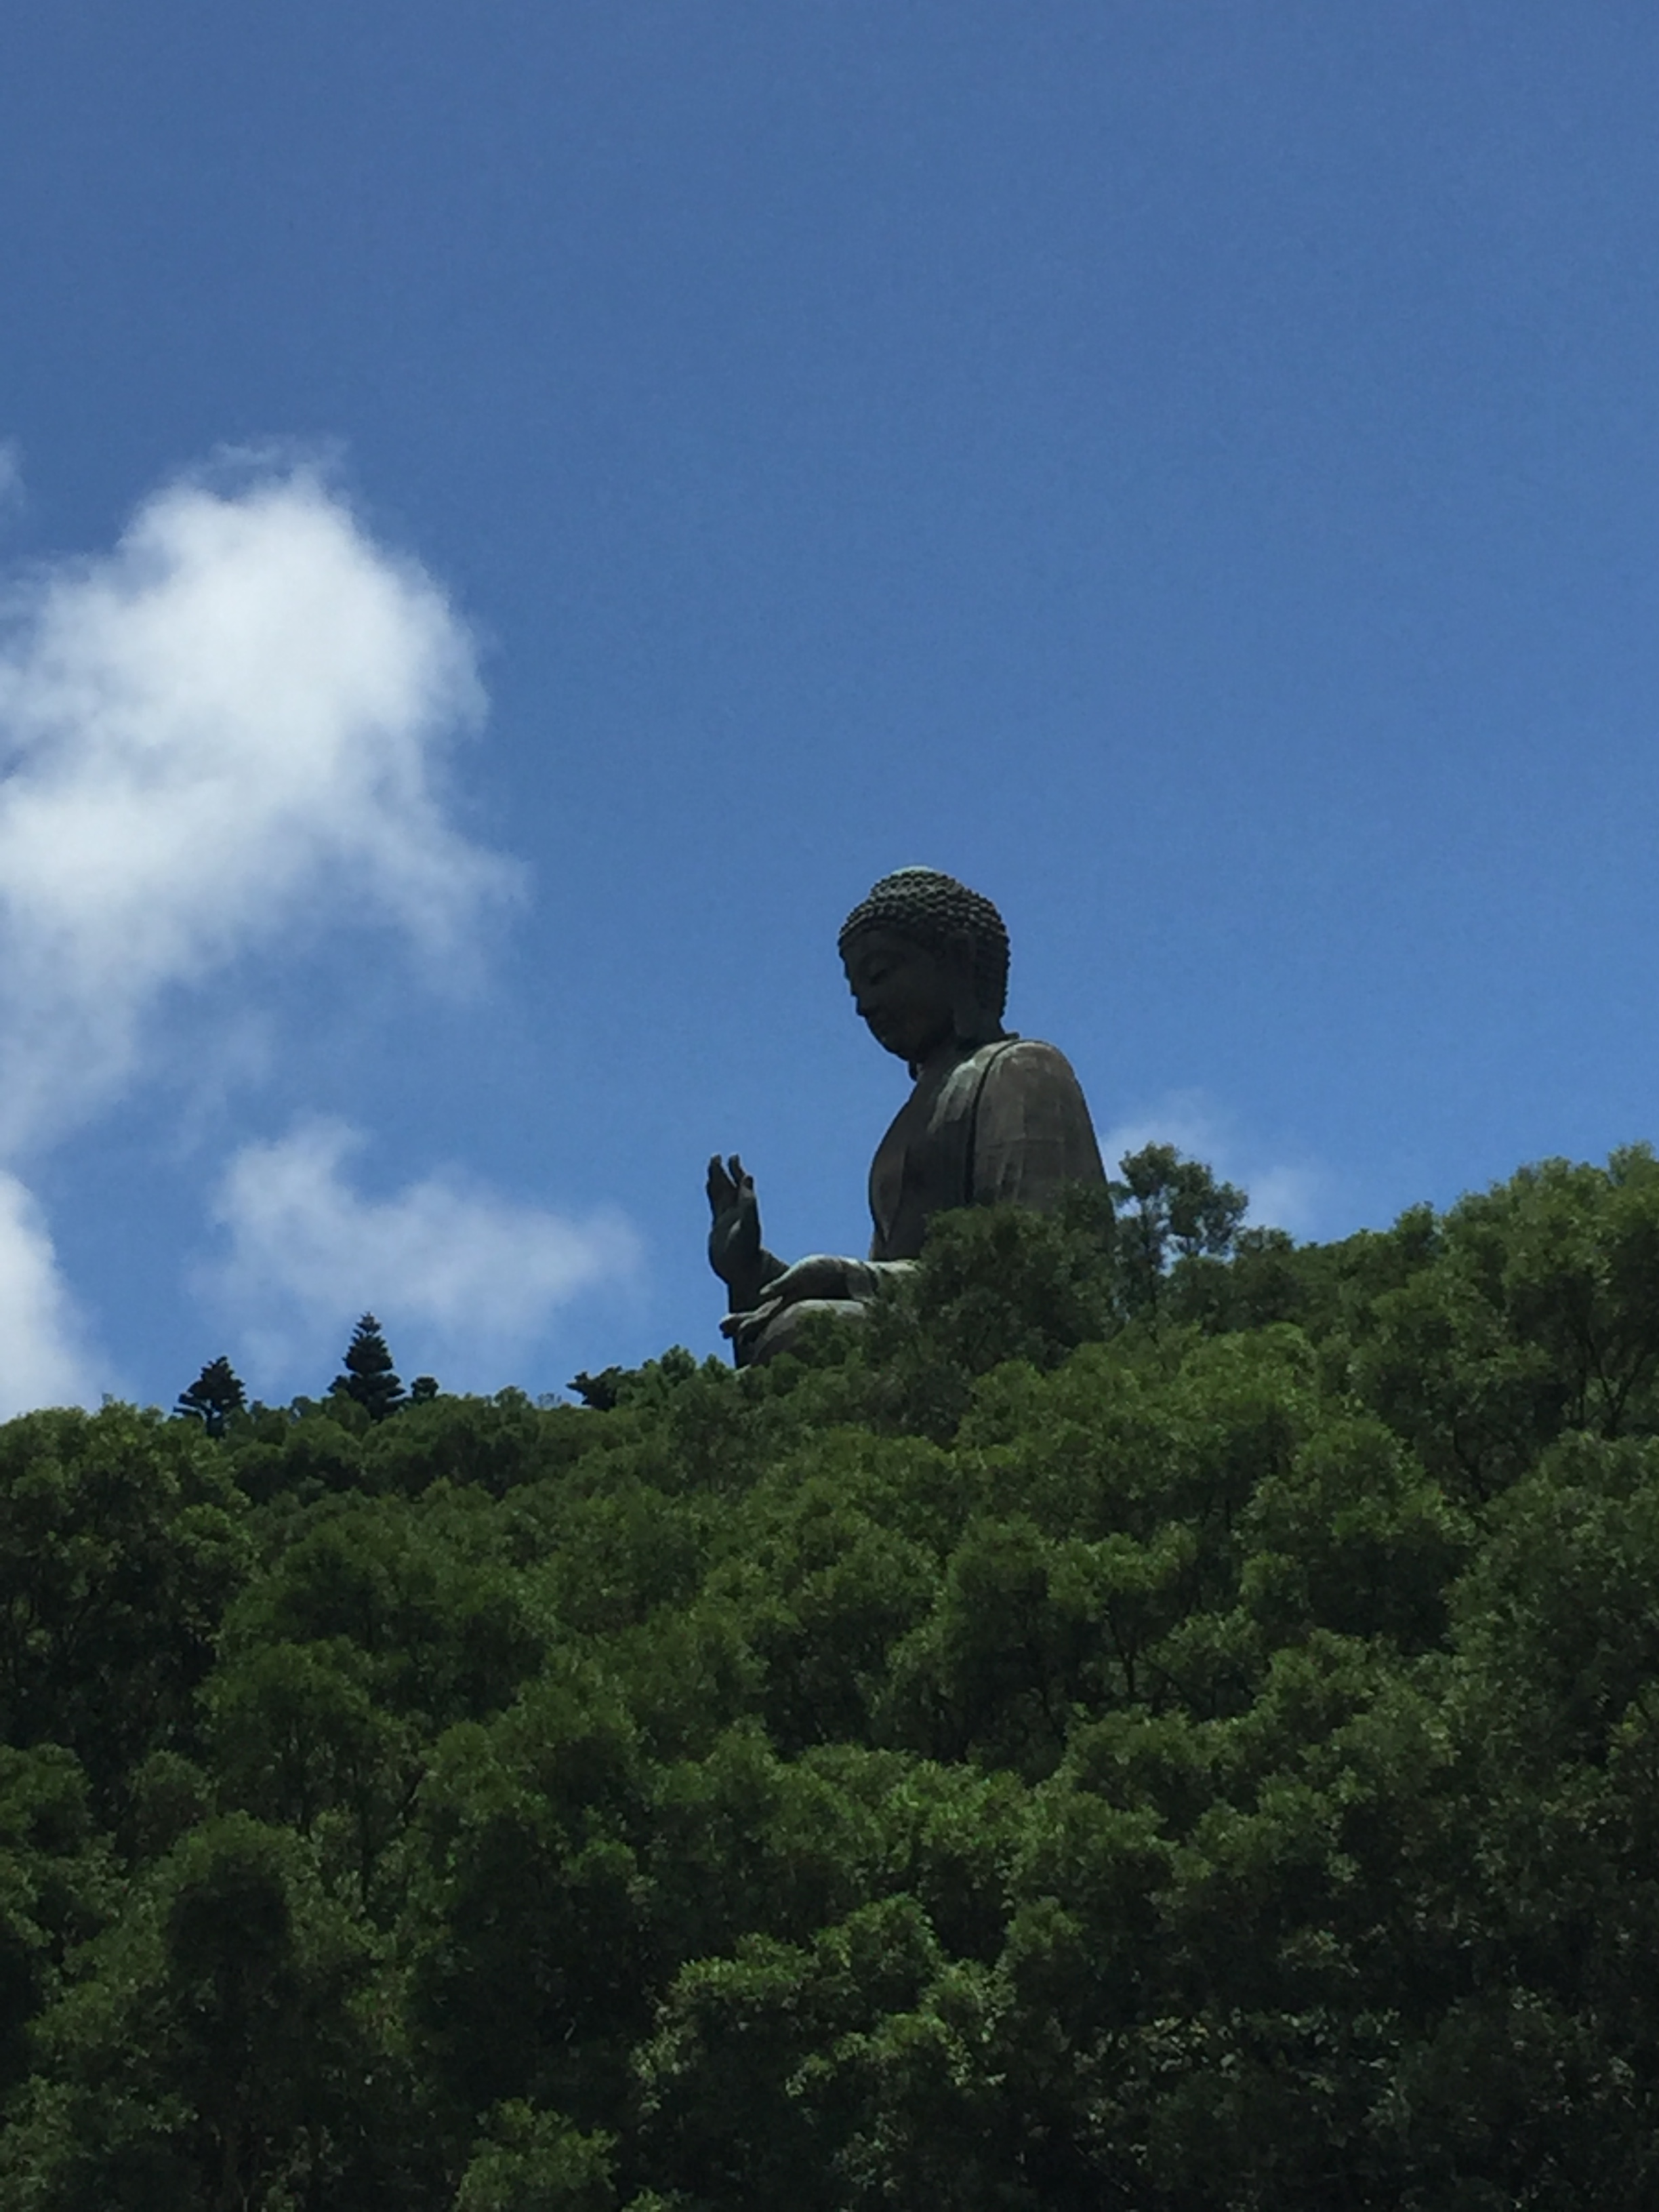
[{"x": 927, "y": 963}]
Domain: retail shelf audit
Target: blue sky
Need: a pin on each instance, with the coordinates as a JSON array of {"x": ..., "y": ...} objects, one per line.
[{"x": 514, "y": 516}]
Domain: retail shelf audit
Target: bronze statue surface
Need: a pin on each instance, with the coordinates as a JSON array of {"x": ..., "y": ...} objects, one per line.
[{"x": 993, "y": 1117}]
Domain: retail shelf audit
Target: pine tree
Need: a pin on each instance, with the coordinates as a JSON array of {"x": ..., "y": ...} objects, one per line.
[
  {"x": 598, "y": 1392},
  {"x": 369, "y": 1377},
  {"x": 213, "y": 1397}
]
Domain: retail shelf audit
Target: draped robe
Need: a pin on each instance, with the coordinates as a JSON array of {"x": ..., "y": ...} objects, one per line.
[{"x": 1005, "y": 1124}]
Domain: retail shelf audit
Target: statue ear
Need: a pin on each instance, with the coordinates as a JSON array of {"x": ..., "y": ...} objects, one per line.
[{"x": 971, "y": 1020}]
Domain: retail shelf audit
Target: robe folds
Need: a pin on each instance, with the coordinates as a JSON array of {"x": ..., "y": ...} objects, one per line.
[{"x": 1007, "y": 1125}]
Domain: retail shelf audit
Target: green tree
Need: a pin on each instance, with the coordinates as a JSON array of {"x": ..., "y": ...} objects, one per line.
[
  {"x": 213, "y": 1397},
  {"x": 532, "y": 1931},
  {"x": 369, "y": 1379},
  {"x": 57, "y": 1888},
  {"x": 1167, "y": 1209},
  {"x": 123, "y": 1537},
  {"x": 222, "y": 2048},
  {"x": 532, "y": 2162},
  {"x": 997, "y": 1284},
  {"x": 1161, "y": 1716}
]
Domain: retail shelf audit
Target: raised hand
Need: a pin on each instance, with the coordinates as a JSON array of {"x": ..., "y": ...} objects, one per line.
[{"x": 735, "y": 1252}]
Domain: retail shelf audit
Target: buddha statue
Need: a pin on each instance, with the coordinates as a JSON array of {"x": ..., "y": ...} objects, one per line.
[{"x": 992, "y": 1118}]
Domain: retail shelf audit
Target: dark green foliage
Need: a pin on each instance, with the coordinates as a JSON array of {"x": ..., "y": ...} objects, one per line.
[
  {"x": 999, "y": 1286},
  {"x": 1162, "y": 1718},
  {"x": 122, "y": 1538},
  {"x": 1169, "y": 1208},
  {"x": 532, "y": 2162},
  {"x": 369, "y": 1380},
  {"x": 224, "y": 2044},
  {"x": 56, "y": 1888},
  {"x": 213, "y": 1397},
  {"x": 600, "y": 1392}
]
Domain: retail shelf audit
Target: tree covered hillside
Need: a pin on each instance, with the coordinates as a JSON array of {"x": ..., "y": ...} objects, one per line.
[{"x": 1163, "y": 1720}]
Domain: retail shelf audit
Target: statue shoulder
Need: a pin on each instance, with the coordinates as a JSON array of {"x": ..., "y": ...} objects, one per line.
[
  {"x": 1034, "y": 1133},
  {"x": 1017, "y": 1059}
]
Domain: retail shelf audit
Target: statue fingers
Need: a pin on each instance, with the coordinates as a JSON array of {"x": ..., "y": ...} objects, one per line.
[
  {"x": 726, "y": 1184},
  {"x": 745, "y": 1328}
]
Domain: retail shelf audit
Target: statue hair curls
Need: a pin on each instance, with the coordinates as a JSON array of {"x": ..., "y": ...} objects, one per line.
[{"x": 935, "y": 910}]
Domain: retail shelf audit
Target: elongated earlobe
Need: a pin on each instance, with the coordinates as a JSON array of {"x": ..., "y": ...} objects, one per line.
[{"x": 972, "y": 1022}]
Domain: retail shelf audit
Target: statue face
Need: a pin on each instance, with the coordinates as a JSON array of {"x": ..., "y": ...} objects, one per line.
[{"x": 903, "y": 992}]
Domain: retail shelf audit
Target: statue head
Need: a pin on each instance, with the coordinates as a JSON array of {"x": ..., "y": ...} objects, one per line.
[{"x": 927, "y": 960}]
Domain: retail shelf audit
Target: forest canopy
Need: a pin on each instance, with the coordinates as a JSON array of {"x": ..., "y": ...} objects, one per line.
[{"x": 1163, "y": 1717}]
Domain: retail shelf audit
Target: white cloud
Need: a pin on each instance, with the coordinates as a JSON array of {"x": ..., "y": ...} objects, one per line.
[
  {"x": 470, "y": 1278},
  {"x": 12, "y": 476},
  {"x": 233, "y": 725},
  {"x": 41, "y": 1361},
  {"x": 1284, "y": 1194},
  {"x": 228, "y": 735}
]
